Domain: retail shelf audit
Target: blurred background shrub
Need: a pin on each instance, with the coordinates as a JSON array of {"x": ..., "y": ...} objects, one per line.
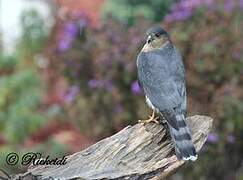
[
  {"x": 62, "y": 90},
  {"x": 127, "y": 12}
]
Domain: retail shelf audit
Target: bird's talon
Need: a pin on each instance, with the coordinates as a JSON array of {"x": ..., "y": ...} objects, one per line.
[{"x": 151, "y": 119}]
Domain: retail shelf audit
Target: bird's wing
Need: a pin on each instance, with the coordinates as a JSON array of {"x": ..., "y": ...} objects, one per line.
[
  {"x": 161, "y": 78},
  {"x": 179, "y": 78}
]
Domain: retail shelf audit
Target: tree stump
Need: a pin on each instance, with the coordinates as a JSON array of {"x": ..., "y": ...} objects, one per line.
[{"x": 136, "y": 152}]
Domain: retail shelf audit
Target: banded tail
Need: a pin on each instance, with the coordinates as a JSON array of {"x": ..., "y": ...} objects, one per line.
[{"x": 181, "y": 136}]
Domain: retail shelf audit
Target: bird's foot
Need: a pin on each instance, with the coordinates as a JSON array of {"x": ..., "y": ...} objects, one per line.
[{"x": 151, "y": 119}]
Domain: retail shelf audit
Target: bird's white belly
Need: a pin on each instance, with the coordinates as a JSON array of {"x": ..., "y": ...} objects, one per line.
[{"x": 150, "y": 104}]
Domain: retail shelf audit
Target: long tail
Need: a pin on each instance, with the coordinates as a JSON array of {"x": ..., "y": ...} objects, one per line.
[{"x": 181, "y": 136}]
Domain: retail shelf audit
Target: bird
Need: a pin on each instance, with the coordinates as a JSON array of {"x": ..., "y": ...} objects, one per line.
[{"x": 161, "y": 76}]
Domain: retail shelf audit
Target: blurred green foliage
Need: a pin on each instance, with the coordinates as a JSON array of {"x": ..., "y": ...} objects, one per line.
[
  {"x": 33, "y": 32},
  {"x": 19, "y": 100},
  {"x": 21, "y": 89},
  {"x": 127, "y": 11}
]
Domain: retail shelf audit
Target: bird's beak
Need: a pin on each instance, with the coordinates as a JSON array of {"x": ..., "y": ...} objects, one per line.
[{"x": 150, "y": 39}]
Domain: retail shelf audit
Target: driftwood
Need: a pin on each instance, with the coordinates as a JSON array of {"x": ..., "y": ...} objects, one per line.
[{"x": 136, "y": 152}]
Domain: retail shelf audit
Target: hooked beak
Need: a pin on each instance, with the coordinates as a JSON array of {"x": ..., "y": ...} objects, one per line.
[{"x": 150, "y": 39}]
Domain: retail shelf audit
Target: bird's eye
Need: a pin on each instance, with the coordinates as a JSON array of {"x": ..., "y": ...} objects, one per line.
[{"x": 157, "y": 35}]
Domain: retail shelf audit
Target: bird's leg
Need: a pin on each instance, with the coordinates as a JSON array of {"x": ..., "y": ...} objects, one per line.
[{"x": 152, "y": 118}]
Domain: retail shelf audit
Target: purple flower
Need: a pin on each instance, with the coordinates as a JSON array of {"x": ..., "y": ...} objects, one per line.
[
  {"x": 106, "y": 84},
  {"x": 213, "y": 138},
  {"x": 230, "y": 139},
  {"x": 229, "y": 5},
  {"x": 70, "y": 32},
  {"x": 241, "y": 4},
  {"x": 64, "y": 45},
  {"x": 136, "y": 88},
  {"x": 70, "y": 29},
  {"x": 71, "y": 94},
  {"x": 94, "y": 83},
  {"x": 184, "y": 9},
  {"x": 179, "y": 16},
  {"x": 179, "y": 13}
]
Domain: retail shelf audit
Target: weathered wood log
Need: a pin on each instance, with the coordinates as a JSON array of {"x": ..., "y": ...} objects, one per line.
[{"x": 136, "y": 152}]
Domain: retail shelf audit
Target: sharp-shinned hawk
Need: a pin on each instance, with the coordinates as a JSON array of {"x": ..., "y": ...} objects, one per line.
[{"x": 161, "y": 75}]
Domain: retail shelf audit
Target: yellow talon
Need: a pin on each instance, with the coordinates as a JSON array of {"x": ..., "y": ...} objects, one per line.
[{"x": 152, "y": 118}]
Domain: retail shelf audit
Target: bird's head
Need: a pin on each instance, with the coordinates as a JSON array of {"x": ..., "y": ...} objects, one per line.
[{"x": 157, "y": 36}]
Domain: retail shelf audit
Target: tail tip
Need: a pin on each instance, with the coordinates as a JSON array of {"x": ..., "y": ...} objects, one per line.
[{"x": 191, "y": 158}]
